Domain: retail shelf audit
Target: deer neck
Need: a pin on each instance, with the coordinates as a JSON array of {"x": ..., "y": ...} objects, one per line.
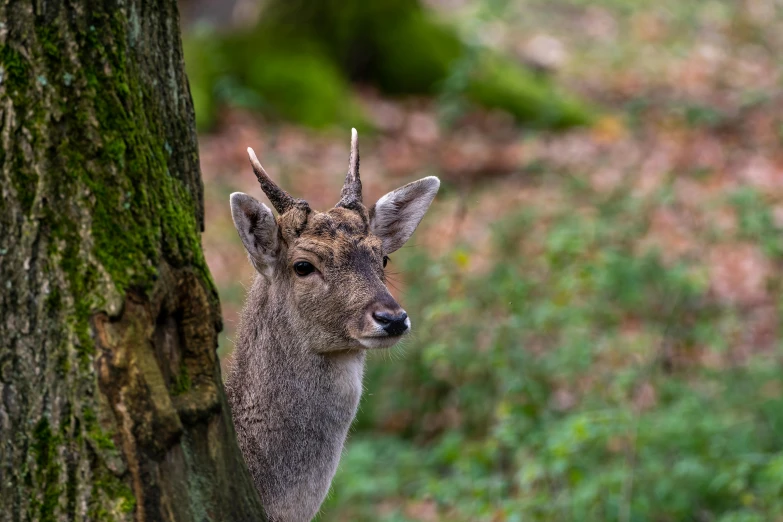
[
  {"x": 291, "y": 406},
  {"x": 270, "y": 356}
]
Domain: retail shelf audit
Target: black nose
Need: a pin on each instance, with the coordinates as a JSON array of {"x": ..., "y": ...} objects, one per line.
[{"x": 394, "y": 324}]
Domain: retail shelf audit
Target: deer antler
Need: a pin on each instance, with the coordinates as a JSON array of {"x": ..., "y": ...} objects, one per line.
[
  {"x": 279, "y": 198},
  {"x": 351, "y": 195}
]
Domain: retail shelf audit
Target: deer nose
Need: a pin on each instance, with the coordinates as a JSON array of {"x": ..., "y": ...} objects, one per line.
[{"x": 393, "y": 323}]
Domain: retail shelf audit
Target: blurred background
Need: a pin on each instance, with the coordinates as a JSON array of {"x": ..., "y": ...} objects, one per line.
[{"x": 595, "y": 293}]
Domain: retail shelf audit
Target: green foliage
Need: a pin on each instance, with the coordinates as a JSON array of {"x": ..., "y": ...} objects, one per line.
[
  {"x": 415, "y": 54},
  {"x": 547, "y": 387},
  {"x": 302, "y": 87},
  {"x": 500, "y": 84},
  {"x": 756, "y": 221},
  {"x": 288, "y": 79},
  {"x": 204, "y": 67},
  {"x": 298, "y": 62}
]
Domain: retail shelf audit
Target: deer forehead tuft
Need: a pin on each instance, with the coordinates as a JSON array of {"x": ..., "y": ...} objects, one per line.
[
  {"x": 350, "y": 221},
  {"x": 341, "y": 248},
  {"x": 296, "y": 222}
]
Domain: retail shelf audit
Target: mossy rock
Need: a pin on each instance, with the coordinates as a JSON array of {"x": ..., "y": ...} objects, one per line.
[
  {"x": 298, "y": 62},
  {"x": 498, "y": 83},
  {"x": 295, "y": 82},
  {"x": 414, "y": 56}
]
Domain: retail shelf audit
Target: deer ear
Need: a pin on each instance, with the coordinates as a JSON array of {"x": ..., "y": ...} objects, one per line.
[
  {"x": 397, "y": 214},
  {"x": 257, "y": 229}
]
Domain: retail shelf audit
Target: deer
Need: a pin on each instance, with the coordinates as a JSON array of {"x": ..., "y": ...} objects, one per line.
[{"x": 318, "y": 303}]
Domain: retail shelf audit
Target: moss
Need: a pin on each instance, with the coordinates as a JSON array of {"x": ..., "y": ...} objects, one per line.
[
  {"x": 112, "y": 497},
  {"x": 498, "y": 83},
  {"x": 113, "y": 165},
  {"x": 293, "y": 79},
  {"x": 17, "y": 76},
  {"x": 415, "y": 55},
  {"x": 118, "y": 198},
  {"x": 303, "y": 87},
  {"x": 119, "y": 496},
  {"x": 102, "y": 439},
  {"x": 181, "y": 382},
  {"x": 140, "y": 212},
  {"x": 47, "y": 472},
  {"x": 296, "y": 64},
  {"x": 53, "y": 301},
  {"x": 49, "y": 38},
  {"x": 81, "y": 278},
  {"x": 16, "y": 69}
]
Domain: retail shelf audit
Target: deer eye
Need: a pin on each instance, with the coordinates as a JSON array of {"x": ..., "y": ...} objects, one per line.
[
  {"x": 385, "y": 261},
  {"x": 303, "y": 268}
]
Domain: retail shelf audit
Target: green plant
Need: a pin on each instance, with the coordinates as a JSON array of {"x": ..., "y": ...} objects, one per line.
[{"x": 547, "y": 388}]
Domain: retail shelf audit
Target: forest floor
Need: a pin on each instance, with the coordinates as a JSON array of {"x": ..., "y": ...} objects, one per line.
[
  {"x": 691, "y": 98},
  {"x": 691, "y": 128}
]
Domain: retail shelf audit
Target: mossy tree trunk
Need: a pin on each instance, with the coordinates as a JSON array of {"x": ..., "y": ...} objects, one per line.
[{"x": 111, "y": 403}]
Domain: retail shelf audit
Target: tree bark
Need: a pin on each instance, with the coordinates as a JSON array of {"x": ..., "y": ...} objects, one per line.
[{"x": 111, "y": 402}]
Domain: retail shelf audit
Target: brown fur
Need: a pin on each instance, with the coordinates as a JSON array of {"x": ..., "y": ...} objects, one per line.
[{"x": 295, "y": 380}]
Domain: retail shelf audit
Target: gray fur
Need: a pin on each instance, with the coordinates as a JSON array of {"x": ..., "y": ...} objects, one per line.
[
  {"x": 292, "y": 407},
  {"x": 296, "y": 376},
  {"x": 396, "y": 215},
  {"x": 257, "y": 229}
]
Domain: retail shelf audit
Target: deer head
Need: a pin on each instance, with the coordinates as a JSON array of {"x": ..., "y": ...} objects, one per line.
[{"x": 325, "y": 270}]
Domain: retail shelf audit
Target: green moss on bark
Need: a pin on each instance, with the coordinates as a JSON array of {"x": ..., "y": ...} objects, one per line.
[
  {"x": 181, "y": 382},
  {"x": 16, "y": 76},
  {"x": 116, "y": 155},
  {"x": 101, "y": 214},
  {"x": 136, "y": 197},
  {"x": 48, "y": 471}
]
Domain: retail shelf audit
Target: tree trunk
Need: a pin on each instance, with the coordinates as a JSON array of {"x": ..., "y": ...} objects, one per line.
[{"x": 111, "y": 402}]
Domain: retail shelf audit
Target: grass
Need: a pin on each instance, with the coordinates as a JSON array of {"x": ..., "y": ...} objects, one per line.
[
  {"x": 592, "y": 381},
  {"x": 596, "y": 338}
]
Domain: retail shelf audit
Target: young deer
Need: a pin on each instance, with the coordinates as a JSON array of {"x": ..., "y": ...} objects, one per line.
[{"x": 318, "y": 302}]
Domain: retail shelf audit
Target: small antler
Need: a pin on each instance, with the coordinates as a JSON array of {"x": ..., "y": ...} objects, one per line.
[
  {"x": 351, "y": 195},
  {"x": 279, "y": 198}
]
